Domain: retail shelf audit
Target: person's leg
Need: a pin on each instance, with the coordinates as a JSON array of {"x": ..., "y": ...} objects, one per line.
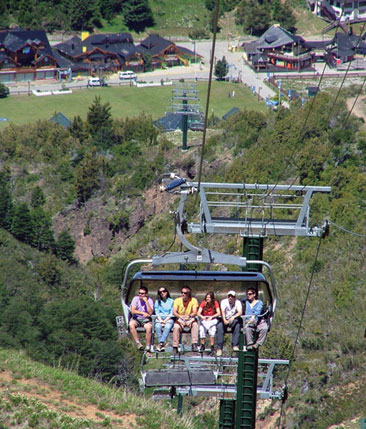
[
  {"x": 176, "y": 332},
  {"x": 262, "y": 329},
  {"x": 235, "y": 326},
  {"x": 194, "y": 331},
  {"x": 249, "y": 335},
  {"x": 158, "y": 328},
  {"x": 167, "y": 329},
  {"x": 220, "y": 335},
  {"x": 133, "y": 324},
  {"x": 148, "y": 329}
]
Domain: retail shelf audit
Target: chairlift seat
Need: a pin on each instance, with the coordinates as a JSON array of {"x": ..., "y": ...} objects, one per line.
[{"x": 179, "y": 378}]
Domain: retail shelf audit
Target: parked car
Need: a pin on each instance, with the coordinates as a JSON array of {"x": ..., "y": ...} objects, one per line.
[
  {"x": 197, "y": 126},
  {"x": 126, "y": 75},
  {"x": 94, "y": 81}
]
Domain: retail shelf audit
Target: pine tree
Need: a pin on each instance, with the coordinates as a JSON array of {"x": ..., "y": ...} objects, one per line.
[
  {"x": 137, "y": 15},
  {"x": 21, "y": 226},
  {"x": 42, "y": 229},
  {"x": 221, "y": 68},
  {"x": 99, "y": 115},
  {"x": 6, "y": 204},
  {"x": 38, "y": 198},
  {"x": 65, "y": 247}
]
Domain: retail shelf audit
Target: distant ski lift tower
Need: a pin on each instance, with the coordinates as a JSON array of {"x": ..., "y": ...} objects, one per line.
[{"x": 185, "y": 102}]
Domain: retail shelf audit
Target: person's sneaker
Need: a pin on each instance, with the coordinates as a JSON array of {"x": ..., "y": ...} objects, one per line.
[
  {"x": 235, "y": 349},
  {"x": 139, "y": 346},
  {"x": 201, "y": 349},
  {"x": 255, "y": 347},
  {"x": 175, "y": 350},
  {"x": 218, "y": 352},
  {"x": 194, "y": 347},
  {"x": 212, "y": 351},
  {"x": 160, "y": 347},
  {"x": 147, "y": 349},
  {"x": 250, "y": 347}
]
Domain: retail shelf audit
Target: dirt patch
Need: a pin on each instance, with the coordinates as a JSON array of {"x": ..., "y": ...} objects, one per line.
[
  {"x": 55, "y": 400},
  {"x": 359, "y": 109}
]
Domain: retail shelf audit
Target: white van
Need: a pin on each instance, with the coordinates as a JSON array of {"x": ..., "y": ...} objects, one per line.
[
  {"x": 123, "y": 75},
  {"x": 94, "y": 81}
]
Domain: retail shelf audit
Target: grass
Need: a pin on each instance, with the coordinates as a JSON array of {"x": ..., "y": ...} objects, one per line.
[
  {"x": 65, "y": 393},
  {"x": 309, "y": 25},
  {"x": 124, "y": 101}
]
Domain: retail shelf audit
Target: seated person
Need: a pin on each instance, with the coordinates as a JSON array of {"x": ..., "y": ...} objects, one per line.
[
  {"x": 185, "y": 310},
  {"x": 254, "y": 308},
  {"x": 163, "y": 307},
  {"x": 142, "y": 307},
  {"x": 231, "y": 310},
  {"x": 208, "y": 313}
]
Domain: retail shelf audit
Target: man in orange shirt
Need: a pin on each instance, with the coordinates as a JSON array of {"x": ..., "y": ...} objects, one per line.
[{"x": 185, "y": 310}]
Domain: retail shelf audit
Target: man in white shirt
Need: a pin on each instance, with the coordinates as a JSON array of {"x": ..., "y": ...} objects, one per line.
[{"x": 231, "y": 310}]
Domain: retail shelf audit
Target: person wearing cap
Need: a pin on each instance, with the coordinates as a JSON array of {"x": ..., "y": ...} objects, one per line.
[{"x": 231, "y": 310}]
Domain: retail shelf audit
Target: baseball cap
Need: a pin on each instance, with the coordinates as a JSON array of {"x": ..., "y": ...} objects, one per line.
[{"x": 232, "y": 292}]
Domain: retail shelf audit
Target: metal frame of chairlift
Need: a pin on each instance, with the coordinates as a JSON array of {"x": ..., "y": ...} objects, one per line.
[{"x": 230, "y": 208}]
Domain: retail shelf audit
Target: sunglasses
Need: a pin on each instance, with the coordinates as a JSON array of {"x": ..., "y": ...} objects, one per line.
[
  {"x": 185, "y": 293},
  {"x": 250, "y": 293},
  {"x": 142, "y": 293},
  {"x": 162, "y": 291}
]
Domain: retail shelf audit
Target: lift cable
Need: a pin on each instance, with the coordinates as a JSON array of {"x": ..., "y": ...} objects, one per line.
[
  {"x": 347, "y": 230},
  {"x": 300, "y": 327},
  {"x": 208, "y": 93}
]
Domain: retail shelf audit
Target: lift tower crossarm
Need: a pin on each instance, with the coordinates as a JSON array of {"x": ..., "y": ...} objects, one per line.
[{"x": 253, "y": 210}]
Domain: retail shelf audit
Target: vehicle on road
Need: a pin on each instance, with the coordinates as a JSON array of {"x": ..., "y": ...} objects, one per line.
[
  {"x": 126, "y": 75},
  {"x": 94, "y": 81}
]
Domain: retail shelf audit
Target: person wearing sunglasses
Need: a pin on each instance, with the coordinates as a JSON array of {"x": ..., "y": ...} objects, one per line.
[
  {"x": 163, "y": 308},
  {"x": 185, "y": 311},
  {"x": 231, "y": 310},
  {"x": 142, "y": 307},
  {"x": 253, "y": 323}
]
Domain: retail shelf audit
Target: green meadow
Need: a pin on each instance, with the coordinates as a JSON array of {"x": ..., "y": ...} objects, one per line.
[{"x": 124, "y": 102}]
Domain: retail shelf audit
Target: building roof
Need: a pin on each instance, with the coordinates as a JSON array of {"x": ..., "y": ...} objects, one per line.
[
  {"x": 231, "y": 112},
  {"x": 169, "y": 122},
  {"x": 14, "y": 40},
  {"x": 274, "y": 37},
  {"x": 155, "y": 44},
  {"x": 61, "y": 119}
]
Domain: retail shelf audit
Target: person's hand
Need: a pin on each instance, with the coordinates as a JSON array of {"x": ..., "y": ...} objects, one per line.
[
  {"x": 145, "y": 314},
  {"x": 145, "y": 299}
]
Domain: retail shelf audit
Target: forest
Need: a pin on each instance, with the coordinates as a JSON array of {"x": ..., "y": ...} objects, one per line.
[
  {"x": 104, "y": 168},
  {"x": 253, "y": 17}
]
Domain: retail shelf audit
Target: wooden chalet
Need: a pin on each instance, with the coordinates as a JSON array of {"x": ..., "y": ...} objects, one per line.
[
  {"x": 278, "y": 49},
  {"x": 102, "y": 52},
  {"x": 165, "y": 53},
  {"x": 26, "y": 55}
]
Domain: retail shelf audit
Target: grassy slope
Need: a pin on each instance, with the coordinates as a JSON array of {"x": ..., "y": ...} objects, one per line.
[
  {"x": 39, "y": 396},
  {"x": 125, "y": 101}
]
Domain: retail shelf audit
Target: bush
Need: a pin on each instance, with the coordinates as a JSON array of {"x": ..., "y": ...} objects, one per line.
[{"x": 4, "y": 90}]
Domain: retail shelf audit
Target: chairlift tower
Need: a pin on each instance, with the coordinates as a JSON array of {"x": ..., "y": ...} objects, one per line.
[{"x": 185, "y": 102}]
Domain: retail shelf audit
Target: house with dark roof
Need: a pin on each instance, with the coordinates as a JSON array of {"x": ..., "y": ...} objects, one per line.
[
  {"x": 26, "y": 55},
  {"x": 165, "y": 53},
  {"x": 345, "y": 47},
  {"x": 101, "y": 53},
  {"x": 278, "y": 49}
]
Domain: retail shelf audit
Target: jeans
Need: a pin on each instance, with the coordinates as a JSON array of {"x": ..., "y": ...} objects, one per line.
[
  {"x": 221, "y": 329},
  {"x": 167, "y": 328}
]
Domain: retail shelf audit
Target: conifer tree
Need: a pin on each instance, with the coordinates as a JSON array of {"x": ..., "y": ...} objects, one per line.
[
  {"x": 137, "y": 15},
  {"x": 99, "y": 115},
  {"x": 42, "y": 229},
  {"x": 38, "y": 198},
  {"x": 21, "y": 226},
  {"x": 65, "y": 247},
  {"x": 5, "y": 202}
]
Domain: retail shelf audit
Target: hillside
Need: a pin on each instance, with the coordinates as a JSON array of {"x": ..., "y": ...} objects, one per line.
[{"x": 103, "y": 188}]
